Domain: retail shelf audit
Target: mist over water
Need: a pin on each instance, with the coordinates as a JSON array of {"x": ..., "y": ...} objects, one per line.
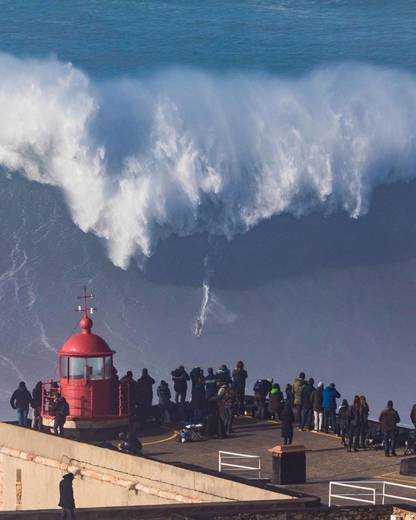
[{"x": 184, "y": 151}]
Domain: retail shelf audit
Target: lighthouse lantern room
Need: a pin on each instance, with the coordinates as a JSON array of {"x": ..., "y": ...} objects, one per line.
[{"x": 97, "y": 402}]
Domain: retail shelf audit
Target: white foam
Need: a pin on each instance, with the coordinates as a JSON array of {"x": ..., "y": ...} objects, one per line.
[{"x": 186, "y": 151}]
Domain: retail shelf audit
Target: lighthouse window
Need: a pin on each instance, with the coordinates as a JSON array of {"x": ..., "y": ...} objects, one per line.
[
  {"x": 95, "y": 368},
  {"x": 76, "y": 368},
  {"x": 108, "y": 372},
  {"x": 64, "y": 367}
]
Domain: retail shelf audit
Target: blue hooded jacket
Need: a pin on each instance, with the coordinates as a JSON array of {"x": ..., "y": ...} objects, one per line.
[{"x": 329, "y": 398}]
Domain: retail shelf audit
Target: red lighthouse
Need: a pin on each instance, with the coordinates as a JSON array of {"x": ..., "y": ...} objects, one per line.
[{"x": 97, "y": 403}]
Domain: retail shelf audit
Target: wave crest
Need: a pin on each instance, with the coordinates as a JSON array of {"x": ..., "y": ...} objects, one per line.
[{"x": 186, "y": 151}]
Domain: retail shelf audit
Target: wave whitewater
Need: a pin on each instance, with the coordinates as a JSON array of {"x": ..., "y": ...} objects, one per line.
[{"x": 186, "y": 151}]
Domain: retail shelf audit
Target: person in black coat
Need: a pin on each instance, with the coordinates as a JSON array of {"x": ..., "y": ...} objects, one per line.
[
  {"x": 355, "y": 418},
  {"x": 239, "y": 380},
  {"x": 198, "y": 399},
  {"x": 61, "y": 410},
  {"x": 180, "y": 379},
  {"x": 66, "y": 497},
  {"x": 287, "y": 417},
  {"x": 20, "y": 401},
  {"x": 145, "y": 394},
  {"x": 344, "y": 420},
  {"x": 306, "y": 402}
]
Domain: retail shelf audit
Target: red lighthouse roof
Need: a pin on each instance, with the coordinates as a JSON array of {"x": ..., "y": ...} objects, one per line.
[{"x": 85, "y": 344}]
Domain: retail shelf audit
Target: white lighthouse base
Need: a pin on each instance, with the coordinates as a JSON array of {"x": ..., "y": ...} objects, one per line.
[{"x": 90, "y": 429}]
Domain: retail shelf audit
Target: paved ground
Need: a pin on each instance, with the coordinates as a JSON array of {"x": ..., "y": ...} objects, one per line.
[{"x": 326, "y": 458}]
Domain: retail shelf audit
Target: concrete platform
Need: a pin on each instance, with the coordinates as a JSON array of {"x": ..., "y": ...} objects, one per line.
[{"x": 326, "y": 459}]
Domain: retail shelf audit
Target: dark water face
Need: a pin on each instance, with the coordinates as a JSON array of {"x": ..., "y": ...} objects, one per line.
[{"x": 324, "y": 293}]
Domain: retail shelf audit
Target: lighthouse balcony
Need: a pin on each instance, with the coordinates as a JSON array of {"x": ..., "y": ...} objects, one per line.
[{"x": 93, "y": 413}]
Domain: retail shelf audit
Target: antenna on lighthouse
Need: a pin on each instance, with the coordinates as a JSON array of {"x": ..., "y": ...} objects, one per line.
[{"x": 85, "y": 309}]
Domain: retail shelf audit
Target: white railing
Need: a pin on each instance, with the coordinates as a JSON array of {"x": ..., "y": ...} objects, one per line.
[
  {"x": 239, "y": 457},
  {"x": 378, "y": 488}
]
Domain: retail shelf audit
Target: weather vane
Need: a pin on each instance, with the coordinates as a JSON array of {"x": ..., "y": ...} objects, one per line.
[{"x": 85, "y": 309}]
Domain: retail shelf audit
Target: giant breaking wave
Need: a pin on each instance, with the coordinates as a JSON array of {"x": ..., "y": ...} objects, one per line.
[{"x": 185, "y": 151}]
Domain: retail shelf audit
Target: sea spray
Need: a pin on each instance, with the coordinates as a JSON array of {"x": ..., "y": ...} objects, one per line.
[{"x": 185, "y": 151}]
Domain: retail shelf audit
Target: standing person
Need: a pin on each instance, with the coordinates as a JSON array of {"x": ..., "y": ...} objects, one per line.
[
  {"x": 318, "y": 411},
  {"x": 344, "y": 421},
  {"x": 198, "y": 399},
  {"x": 355, "y": 424},
  {"x": 131, "y": 394},
  {"x": 180, "y": 384},
  {"x": 289, "y": 393},
  {"x": 66, "y": 497},
  {"x": 61, "y": 410},
  {"x": 145, "y": 394},
  {"x": 261, "y": 388},
  {"x": 276, "y": 401},
  {"x": 239, "y": 379},
  {"x": 306, "y": 403},
  {"x": 329, "y": 403},
  {"x": 365, "y": 412},
  {"x": 227, "y": 394},
  {"x": 297, "y": 386},
  {"x": 37, "y": 405},
  {"x": 288, "y": 419},
  {"x": 164, "y": 395},
  {"x": 389, "y": 419},
  {"x": 210, "y": 384},
  {"x": 195, "y": 374},
  {"x": 20, "y": 401}
]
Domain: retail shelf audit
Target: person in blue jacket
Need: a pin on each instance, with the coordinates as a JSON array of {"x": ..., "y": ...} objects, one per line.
[{"x": 329, "y": 404}]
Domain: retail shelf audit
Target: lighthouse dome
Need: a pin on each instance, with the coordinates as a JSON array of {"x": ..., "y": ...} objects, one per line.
[{"x": 85, "y": 344}]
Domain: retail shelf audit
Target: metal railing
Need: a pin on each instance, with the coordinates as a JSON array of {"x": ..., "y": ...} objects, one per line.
[
  {"x": 83, "y": 406},
  {"x": 228, "y": 455},
  {"x": 378, "y": 489}
]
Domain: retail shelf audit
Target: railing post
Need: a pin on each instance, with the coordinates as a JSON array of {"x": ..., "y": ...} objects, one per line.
[
  {"x": 91, "y": 398},
  {"x": 384, "y": 492},
  {"x": 330, "y": 494},
  {"x": 219, "y": 462}
]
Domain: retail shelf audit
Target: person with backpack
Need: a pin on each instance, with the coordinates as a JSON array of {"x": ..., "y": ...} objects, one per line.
[
  {"x": 389, "y": 419},
  {"x": 306, "y": 403},
  {"x": 329, "y": 404},
  {"x": 239, "y": 382},
  {"x": 261, "y": 388},
  {"x": 318, "y": 411},
  {"x": 276, "y": 401},
  {"x": 343, "y": 421},
  {"x": 20, "y": 401},
  {"x": 61, "y": 411},
  {"x": 287, "y": 418},
  {"x": 297, "y": 386}
]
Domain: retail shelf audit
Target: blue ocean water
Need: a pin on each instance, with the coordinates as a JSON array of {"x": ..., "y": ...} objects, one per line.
[
  {"x": 249, "y": 103},
  {"x": 114, "y": 38}
]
